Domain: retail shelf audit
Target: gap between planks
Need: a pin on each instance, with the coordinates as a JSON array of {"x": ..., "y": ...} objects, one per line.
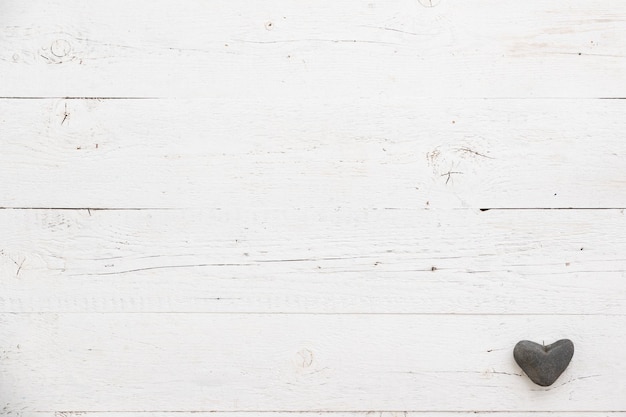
[
  {"x": 298, "y": 208},
  {"x": 208, "y": 98},
  {"x": 306, "y": 413}
]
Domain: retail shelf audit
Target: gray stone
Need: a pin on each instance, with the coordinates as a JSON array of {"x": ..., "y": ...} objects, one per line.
[{"x": 543, "y": 364}]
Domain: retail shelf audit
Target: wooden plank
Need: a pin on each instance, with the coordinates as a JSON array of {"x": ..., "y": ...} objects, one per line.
[
  {"x": 309, "y": 210},
  {"x": 314, "y": 261},
  {"x": 226, "y": 48},
  {"x": 288, "y": 154},
  {"x": 222, "y": 362}
]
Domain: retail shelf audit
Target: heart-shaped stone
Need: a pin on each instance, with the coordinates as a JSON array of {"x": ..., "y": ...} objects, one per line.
[{"x": 543, "y": 364}]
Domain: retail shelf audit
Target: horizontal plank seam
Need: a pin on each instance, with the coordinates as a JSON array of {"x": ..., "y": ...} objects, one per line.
[
  {"x": 209, "y": 98},
  {"x": 324, "y": 313},
  {"x": 332, "y": 412},
  {"x": 305, "y": 208},
  {"x": 82, "y": 98},
  {"x": 92, "y": 208},
  {"x": 551, "y": 208}
]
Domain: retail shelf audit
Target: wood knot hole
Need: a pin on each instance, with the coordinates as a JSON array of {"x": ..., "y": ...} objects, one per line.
[
  {"x": 60, "y": 48},
  {"x": 304, "y": 358}
]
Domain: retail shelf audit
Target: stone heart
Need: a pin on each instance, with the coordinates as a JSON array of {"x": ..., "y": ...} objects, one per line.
[{"x": 543, "y": 364}]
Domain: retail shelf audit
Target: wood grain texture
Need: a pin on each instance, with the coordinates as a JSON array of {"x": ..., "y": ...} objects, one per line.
[
  {"x": 206, "y": 362},
  {"x": 283, "y": 48},
  {"x": 289, "y": 154},
  {"x": 279, "y": 208},
  {"x": 314, "y": 261}
]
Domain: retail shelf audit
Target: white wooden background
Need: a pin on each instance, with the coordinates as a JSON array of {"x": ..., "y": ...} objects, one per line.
[{"x": 345, "y": 208}]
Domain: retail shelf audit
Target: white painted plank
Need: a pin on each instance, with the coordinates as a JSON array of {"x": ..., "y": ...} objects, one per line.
[
  {"x": 286, "y": 48},
  {"x": 308, "y": 172},
  {"x": 314, "y": 261},
  {"x": 222, "y": 362},
  {"x": 283, "y": 154}
]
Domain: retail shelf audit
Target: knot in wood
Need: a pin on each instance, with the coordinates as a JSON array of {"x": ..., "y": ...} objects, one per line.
[{"x": 60, "y": 48}]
